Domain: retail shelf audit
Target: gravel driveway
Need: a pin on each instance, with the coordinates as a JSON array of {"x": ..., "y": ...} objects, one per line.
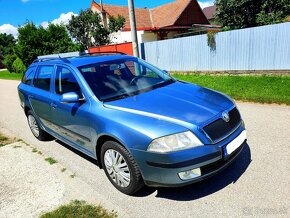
[{"x": 256, "y": 184}]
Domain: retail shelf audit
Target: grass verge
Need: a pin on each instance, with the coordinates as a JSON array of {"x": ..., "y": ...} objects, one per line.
[
  {"x": 78, "y": 209},
  {"x": 12, "y": 76},
  {"x": 262, "y": 89}
]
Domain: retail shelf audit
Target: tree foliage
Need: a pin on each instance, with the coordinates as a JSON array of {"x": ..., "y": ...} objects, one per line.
[
  {"x": 87, "y": 28},
  {"x": 35, "y": 40},
  {"x": 235, "y": 14},
  {"x": 18, "y": 66},
  {"x": 7, "y": 43},
  {"x": 273, "y": 11}
]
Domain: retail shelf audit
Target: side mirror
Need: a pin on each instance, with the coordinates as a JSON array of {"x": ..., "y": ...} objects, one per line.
[
  {"x": 70, "y": 97},
  {"x": 166, "y": 72}
]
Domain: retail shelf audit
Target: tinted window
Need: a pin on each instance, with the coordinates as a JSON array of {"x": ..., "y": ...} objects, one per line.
[
  {"x": 28, "y": 76},
  {"x": 43, "y": 77},
  {"x": 66, "y": 82}
]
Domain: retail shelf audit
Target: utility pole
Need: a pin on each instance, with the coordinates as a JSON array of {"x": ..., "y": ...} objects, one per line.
[{"x": 133, "y": 28}]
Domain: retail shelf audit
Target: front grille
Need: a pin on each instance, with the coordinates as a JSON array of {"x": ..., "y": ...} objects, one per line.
[{"x": 219, "y": 128}]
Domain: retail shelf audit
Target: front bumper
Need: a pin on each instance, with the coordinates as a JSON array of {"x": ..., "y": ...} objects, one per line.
[{"x": 161, "y": 170}]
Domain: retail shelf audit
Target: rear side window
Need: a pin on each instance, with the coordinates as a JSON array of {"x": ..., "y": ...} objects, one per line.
[
  {"x": 66, "y": 82},
  {"x": 43, "y": 77},
  {"x": 28, "y": 76}
]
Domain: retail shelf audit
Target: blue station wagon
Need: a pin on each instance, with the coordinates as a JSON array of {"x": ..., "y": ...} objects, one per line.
[{"x": 141, "y": 125}]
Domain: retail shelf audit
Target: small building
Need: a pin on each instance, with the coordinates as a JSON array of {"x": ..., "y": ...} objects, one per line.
[
  {"x": 159, "y": 23},
  {"x": 210, "y": 13}
]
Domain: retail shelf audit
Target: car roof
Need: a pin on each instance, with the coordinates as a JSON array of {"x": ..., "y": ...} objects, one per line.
[{"x": 81, "y": 60}]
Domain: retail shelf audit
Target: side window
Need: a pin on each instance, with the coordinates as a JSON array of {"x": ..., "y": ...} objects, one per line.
[
  {"x": 43, "y": 77},
  {"x": 28, "y": 76},
  {"x": 66, "y": 82}
]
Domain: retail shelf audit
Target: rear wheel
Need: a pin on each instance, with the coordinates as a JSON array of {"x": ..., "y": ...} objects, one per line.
[
  {"x": 35, "y": 128},
  {"x": 121, "y": 168}
]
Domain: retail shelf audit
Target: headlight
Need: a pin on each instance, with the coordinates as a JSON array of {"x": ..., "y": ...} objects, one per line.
[{"x": 176, "y": 142}]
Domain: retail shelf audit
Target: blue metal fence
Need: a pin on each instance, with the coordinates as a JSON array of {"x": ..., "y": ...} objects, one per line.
[{"x": 259, "y": 48}]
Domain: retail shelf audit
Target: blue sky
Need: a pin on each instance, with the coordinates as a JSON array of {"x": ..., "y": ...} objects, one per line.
[{"x": 16, "y": 12}]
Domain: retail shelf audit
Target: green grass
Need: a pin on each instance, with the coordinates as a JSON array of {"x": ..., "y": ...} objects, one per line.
[
  {"x": 34, "y": 150},
  {"x": 3, "y": 140},
  {"x": 12, "y": 76},
  {"x": 262, "y": 89},
  {"x": 50, "y": 160},
  {"x": 79, "y": 209}
]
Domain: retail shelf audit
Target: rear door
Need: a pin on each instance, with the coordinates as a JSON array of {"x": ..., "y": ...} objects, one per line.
[
  {"x": 71, "y": 120},
  {"x": 40, "y": 96}
]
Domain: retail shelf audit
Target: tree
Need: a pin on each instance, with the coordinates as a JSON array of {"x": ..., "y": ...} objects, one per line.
[
  {"x": 87, "y": 28},
  {"x": 273, "y": 11},
  {"x": 236, "y": 14},
  {"x": 58, "y": 40},
  {"x": 34, "y": 41},
  {"x": 7, "y": 43}
]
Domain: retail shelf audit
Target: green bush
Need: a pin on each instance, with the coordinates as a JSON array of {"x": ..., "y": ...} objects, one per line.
[
  {"x": 18, "y": 66},
  {"x": 8, "y": 61}
]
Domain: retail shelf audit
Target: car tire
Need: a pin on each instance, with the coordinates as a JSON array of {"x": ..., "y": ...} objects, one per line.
[
  {"x": 124, "y": 167},
  {"x": 35, "y": 128}
]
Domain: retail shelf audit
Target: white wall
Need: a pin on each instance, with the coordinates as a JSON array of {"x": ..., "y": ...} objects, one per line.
[
  {"x": 125, "y": 36},
  {"x": 258, "y": 48}
]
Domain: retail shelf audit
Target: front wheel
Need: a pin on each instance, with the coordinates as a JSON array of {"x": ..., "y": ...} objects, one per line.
[
  {"x": 121, "y": 168},
  {"x": 35, "y": 128}
]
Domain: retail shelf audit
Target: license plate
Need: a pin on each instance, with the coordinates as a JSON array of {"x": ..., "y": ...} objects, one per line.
[{"x": 233, "y": 145}]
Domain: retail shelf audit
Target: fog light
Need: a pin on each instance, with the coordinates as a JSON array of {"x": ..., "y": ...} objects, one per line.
[{"x": 190, "y": 174}]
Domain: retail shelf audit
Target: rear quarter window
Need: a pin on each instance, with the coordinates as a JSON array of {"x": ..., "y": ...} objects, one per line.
[
  {"x": 43, "y": 77},
  {"x": 28, "y": 76}
]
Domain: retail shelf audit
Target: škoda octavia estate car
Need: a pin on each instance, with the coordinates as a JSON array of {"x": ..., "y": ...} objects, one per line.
[{"x": 139, "y": 123}]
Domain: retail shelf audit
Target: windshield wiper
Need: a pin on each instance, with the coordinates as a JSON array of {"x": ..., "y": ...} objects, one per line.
[{"x": 116, "y": 97}]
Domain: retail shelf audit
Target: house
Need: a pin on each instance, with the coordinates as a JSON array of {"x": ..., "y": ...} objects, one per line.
[
  {"x": 210, "y": 12},
  {"x": 158, "y": 23}
]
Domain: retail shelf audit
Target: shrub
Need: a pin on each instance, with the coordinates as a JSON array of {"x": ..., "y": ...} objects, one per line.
[
  {"x": 8, "y": 61},
  {"x": 18, "y": 66}
]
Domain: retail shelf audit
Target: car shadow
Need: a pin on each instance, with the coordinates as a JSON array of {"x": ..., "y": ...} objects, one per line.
[
  {"x": 88, "y": 158},
  {"x": 205, "y": 187},
  {"x": 197, "y": 190}
]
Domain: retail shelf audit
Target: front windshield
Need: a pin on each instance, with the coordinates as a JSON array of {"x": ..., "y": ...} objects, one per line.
[{"x": 123, "y": 78}]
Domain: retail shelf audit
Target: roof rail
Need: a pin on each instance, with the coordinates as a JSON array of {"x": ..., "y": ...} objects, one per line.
[
  {"x": 81, "y": 54},
  {"x": 103, "y": 53},
  {"x": 50, "y": 59}
]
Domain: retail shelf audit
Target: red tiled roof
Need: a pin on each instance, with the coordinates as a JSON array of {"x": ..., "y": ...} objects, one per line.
[
  {"x": 166, "y": 15},
  {"x": 163, "y": 16},
  {"x": 142, "y": 15},
  {"x": 209, "y": 12}
]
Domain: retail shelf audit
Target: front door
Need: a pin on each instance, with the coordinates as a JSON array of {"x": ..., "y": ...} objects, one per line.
[{"x": 71, "y": 120}]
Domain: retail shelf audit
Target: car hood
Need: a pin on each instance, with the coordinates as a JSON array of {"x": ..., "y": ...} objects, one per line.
[{"x": 182, "y": 103}]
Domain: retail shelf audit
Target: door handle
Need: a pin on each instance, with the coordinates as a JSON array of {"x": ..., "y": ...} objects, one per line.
[{"x": 53, "y": 105}]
